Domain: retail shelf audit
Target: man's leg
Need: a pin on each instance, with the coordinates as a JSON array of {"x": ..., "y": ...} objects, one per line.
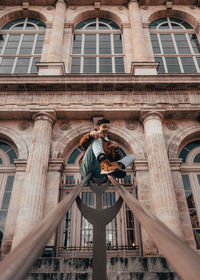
[{"x": 126, "y": 161}]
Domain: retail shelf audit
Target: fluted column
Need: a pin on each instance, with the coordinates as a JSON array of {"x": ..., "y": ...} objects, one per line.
[
  {"x": 54, "y": 64},
  {"x": 142, "y": 62},
  {"x": 164, "y": 203},
  {"x": 33, "y": 193},
  {"x": 56, "y": 38}
]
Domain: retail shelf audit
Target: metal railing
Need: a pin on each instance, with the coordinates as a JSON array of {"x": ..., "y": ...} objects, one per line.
[
  {"x": 184, "y": 260},
  {"x": 19, "y": 261}
]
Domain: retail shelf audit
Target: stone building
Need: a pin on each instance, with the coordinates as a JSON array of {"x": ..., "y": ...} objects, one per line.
[{"x": 64, "y": 65}]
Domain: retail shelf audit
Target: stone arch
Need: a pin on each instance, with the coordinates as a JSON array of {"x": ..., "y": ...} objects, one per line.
[
  {"x": 181, "y": 139},
  {"x": 15, "y": 14},
  {"x": 163, "y": 12},
  {"x": 96, "y": 13},
  {"x": 73, "y": 136}
]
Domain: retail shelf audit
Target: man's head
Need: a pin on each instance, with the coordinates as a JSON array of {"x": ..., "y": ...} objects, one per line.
[{"x": 103, "y": 126}]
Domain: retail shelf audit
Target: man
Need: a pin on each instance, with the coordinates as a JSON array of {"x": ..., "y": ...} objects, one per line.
[{"x": 101, "y": 155}]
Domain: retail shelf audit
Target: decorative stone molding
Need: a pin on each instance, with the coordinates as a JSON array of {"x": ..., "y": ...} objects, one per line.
[
  {"x": 51, "y": 117},
  {"x": 144, "y": 116},
  {"x": 144, "y": 68},
  {"x": 97, "y": 5},
  {"x": 130, "y": 124},
  {"x": 56, "y": 164},
  {"x": 23, "y": 125},
  {"x": 51, "y": 68},
  {"x": 20, "y": 165},
  {"x": 64, "y": 125},
  {"x": 171, "y": 124},
  {"x": 175, "y": 164}
]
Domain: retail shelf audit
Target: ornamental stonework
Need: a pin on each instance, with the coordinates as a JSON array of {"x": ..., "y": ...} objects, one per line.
[
  {"x": 64, "y": 125},
  {"x": 131, "y": 125},
  {"x": 171, "y": 124},
  {"x": 24, "y": 125}
]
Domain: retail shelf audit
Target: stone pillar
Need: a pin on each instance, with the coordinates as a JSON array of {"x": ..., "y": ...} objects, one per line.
[
  {"x": 54, "y": 66},
  {"x": 142, "y": 64},
  {"x": 164, "y": 204},
  {"x": 33, "y": 194}
]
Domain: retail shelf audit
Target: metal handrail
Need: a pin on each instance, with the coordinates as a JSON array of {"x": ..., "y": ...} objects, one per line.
[
  {"x": 184, "y": 260},
  {"x": 18, "y": 262}
]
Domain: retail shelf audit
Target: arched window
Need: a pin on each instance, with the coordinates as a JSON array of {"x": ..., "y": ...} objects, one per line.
[
  {"x": 97, "y": 47},
  {"x": 190, "y": 155},
  {"x": 21, "y": 42},
  {"x": 175, "y": 45},
  {"x": 76, "y": 231},
  {"x": 7, "y": 172}
]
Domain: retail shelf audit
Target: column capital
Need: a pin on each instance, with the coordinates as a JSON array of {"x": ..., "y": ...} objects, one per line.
[
  {"x": 48, "y": 116},
  {"x": 147, "y": 115}
]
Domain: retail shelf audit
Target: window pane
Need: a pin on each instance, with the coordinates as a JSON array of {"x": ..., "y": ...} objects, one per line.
[
  {"x": 176, "y": 26},
  {"x": 73, "y": 156},
  {"x": 34, "y": 67},
  {"x": 167, "y": 44},
  {"x": 164, "y": 26},
  {"x": 182, "y": 44},
  {"x": 161, "y": 68},
  {"x": 76, "y": 62},
  {"x": 190, "y": 200},
  {"x": 39, "y": 44},
  {"x": 91, "y": 26},
  {"x": 117, "y": 43},
  {"x": 83, "y": 23},
  {"x": 155, "y": 43},
  {"x": 153, "y": 24},
  {"x": 195, "y": 43},
  {"x": 11, "y": 23},
  {"x": 182, "y": 22},
  {"x": 110, "y": 22},
  {"x": 30, "y": 26},
  {"x": 90, "y": 44},
  {"x": 89, "y": 65},
  {"x": 172, "y": 65},
  {"x": 27, "y": 44},
  {"x": 9, "y": 183},
  {"x": 188, "y": 65},
  {"x": 2, "y": 41},
  {"x": 77, "y": 44},
  {"x": 105, "y": 65},
  {"x": 186, "y": 182},
  {"x": 119, "y": 65},
  {"x": 103, "y": 26},
  {"x": 12, "y": 44},
  {"x": 22, "y": 65},
  {"x": 12, "y": 155},
  {"x": 197, "y": 158},
  {"x": 104, "y": 44},
  {"x": 6, "y": 65}
]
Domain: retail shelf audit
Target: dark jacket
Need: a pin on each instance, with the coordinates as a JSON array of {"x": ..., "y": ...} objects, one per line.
[{"x": 113, "y": 154}]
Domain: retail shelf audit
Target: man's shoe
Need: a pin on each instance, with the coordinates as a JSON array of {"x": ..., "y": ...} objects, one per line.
[{"x": 112, "y": 168}]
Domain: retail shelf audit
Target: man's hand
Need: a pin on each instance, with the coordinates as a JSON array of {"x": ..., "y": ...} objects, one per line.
[
  {"x": 94, "y": 134},
  {"x": 113, "y": 145}
]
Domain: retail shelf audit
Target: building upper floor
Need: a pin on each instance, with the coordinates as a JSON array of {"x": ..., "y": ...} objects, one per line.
[{"x": 135, "y": 37}]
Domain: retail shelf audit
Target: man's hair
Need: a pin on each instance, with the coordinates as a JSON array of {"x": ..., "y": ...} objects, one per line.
[{"x": 101, "y": 121}]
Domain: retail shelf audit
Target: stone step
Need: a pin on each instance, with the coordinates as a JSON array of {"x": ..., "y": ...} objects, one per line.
[
  {"x": 110, "y": 276},
  {"x": 141, "y": 268}
]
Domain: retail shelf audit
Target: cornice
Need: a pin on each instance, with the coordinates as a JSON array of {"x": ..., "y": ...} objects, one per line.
[{"x": 104, "y": 83}]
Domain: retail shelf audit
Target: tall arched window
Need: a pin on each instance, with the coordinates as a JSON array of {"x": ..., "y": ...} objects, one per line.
[
  {"x": 175, "y": 45},
  {"x": 21, "y": 42},
  {"x": 190, "y": 155},
  {"x": 97, "y": 47},
  {"x": 7, "y": 172},
  {"x": 122, "y": 233}
]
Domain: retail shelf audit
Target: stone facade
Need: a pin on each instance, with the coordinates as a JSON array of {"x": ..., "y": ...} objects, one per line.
[{"x": 44, "y": 115}]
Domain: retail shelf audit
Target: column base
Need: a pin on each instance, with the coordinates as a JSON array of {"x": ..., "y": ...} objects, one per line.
[
  {"x": 144, "y": 68},
  {"x": 51, "y": 68}
]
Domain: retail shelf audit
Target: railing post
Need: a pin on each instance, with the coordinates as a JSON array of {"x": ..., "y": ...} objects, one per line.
[{"x": 184, "y": 260}]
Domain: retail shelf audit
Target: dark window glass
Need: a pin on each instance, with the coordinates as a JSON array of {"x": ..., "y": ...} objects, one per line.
[
  {"x": 2, "y": 41},
  {"x": 119, "y": 65},
  {"x": 117, "y": 43},
  {"x": 195, "y": 43},
  {"x": 105, "y": 65},
  {"x": 33, "y": 66},
  {"x": 90, "y": 44},
  {"x": 176, "y": 26},
  {"x": 167, "y": 44},
  {"x": 85, "y": 22},
  {"x": 76, "y": 62},
  {"x": 6, "y": 65},
  {"x": 73, "y": 156},
  {"x": 161, "y": 68},
  {"x": 12, "y": 155},
  {"x": 198, "y": 177},
  {"x": 197, "y": 158},
  {"x": 77, "y": 44},
  {"x": 164, "y": 26},
  {"x": 22, "y": 65},
  {"x": 89, "y": 65},
  {"x": 11, "y": 23},
  {"x": 155, "y": 23},
  {"x": 12, "y": 45},
  {"x": 172, "y": 65},
  {"x": 155, "y": 44},
  {"x": 103, "y": 26},
  {"x": 104, "y": 44},
  {"x": 1, "y": 161},
  {"x": 182, "y": 44},
  {"x": 188, "y": 65},
  {"x": 39, "y": 44},
  {"x": 186, "y": 182},
  {"x": 182, "y": 22}
]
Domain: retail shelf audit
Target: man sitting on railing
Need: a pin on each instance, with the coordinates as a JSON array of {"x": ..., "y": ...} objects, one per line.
[{"x": 101, "y": 155}]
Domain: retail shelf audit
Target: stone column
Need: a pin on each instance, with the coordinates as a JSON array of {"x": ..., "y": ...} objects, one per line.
[
  {"x": 164, "y": 204},
  {"x": 54, "y": 64},
  {"x": 142, "y": 64},
  {"x": 33, "y": 194}
]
